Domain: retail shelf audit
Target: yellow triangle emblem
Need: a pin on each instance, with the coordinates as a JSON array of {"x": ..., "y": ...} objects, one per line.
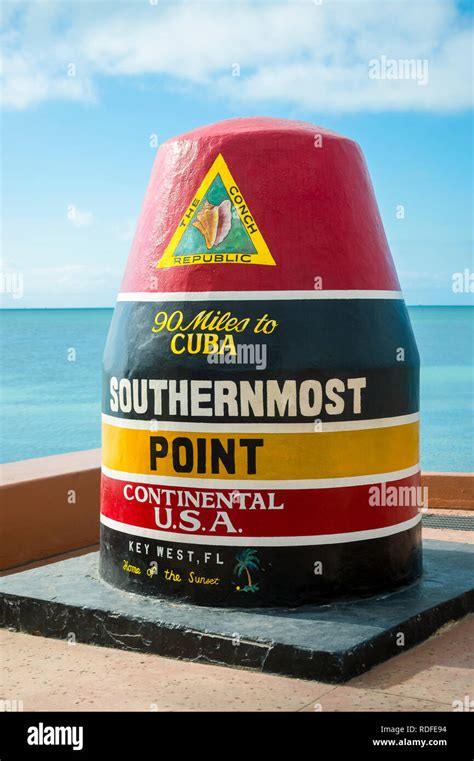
[{"x": 217, "y": 227}]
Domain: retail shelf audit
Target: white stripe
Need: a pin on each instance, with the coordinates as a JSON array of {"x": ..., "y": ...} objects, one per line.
[
  {"x": 260, "y": 541},
  {"x": 171, "y": 425},
  {"x": 257, "y": 295},
  {"x": 230, "y": 484}
]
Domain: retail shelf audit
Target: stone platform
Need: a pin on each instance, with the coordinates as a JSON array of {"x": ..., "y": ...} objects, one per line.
[{"x": 331, "y": 643}]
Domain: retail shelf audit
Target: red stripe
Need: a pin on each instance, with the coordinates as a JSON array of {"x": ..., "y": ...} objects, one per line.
[{"x": 306, "y": 512}]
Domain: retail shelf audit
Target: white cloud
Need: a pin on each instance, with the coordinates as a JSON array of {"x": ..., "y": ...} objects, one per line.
[
  {"x": 302, "y": 53},
  {"x": 79, "y": 218},
  {"x": 25, "y": 83}
]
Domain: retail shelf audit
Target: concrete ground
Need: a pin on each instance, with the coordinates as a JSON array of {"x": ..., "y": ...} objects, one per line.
[{"x": 53, "y": 675}]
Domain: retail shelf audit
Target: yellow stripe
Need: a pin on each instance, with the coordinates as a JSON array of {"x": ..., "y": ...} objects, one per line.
[{"x": 334, "y": 454}]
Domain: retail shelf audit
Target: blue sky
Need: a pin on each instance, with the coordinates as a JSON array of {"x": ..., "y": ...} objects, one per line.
[{"x": 77, "y": 153}]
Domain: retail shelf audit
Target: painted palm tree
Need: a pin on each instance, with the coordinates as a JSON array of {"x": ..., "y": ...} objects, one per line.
[{"x": 247, "y": 561}]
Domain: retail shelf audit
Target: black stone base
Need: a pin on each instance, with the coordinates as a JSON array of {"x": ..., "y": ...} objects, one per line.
[
  {"x": 280, "y": 576},
  {"x": 331, "y": 643}
]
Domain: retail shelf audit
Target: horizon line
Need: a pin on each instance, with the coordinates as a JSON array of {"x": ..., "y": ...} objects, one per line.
[{"x": 36, "y": 309}]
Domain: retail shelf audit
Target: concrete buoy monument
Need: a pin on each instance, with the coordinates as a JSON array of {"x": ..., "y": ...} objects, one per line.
[{"x": 261, "y": 379}]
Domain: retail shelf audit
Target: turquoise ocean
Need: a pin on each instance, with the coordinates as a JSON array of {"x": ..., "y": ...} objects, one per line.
[{"x": 51, "y": 382}]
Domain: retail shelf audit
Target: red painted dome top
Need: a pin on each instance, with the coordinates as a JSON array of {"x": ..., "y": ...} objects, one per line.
[
  {"x": 259, "y": 204},
  {"x": 253, "y": 124}
]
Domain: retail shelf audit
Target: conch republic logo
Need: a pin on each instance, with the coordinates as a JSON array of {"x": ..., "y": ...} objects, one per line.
[{"x": 217, "y": 227}]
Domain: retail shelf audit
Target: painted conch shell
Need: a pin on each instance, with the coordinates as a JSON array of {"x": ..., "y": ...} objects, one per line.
[{"x": 214, "y": 222}]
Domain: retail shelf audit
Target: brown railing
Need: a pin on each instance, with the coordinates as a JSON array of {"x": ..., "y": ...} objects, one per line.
[{"x": 50, "y": 506}]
